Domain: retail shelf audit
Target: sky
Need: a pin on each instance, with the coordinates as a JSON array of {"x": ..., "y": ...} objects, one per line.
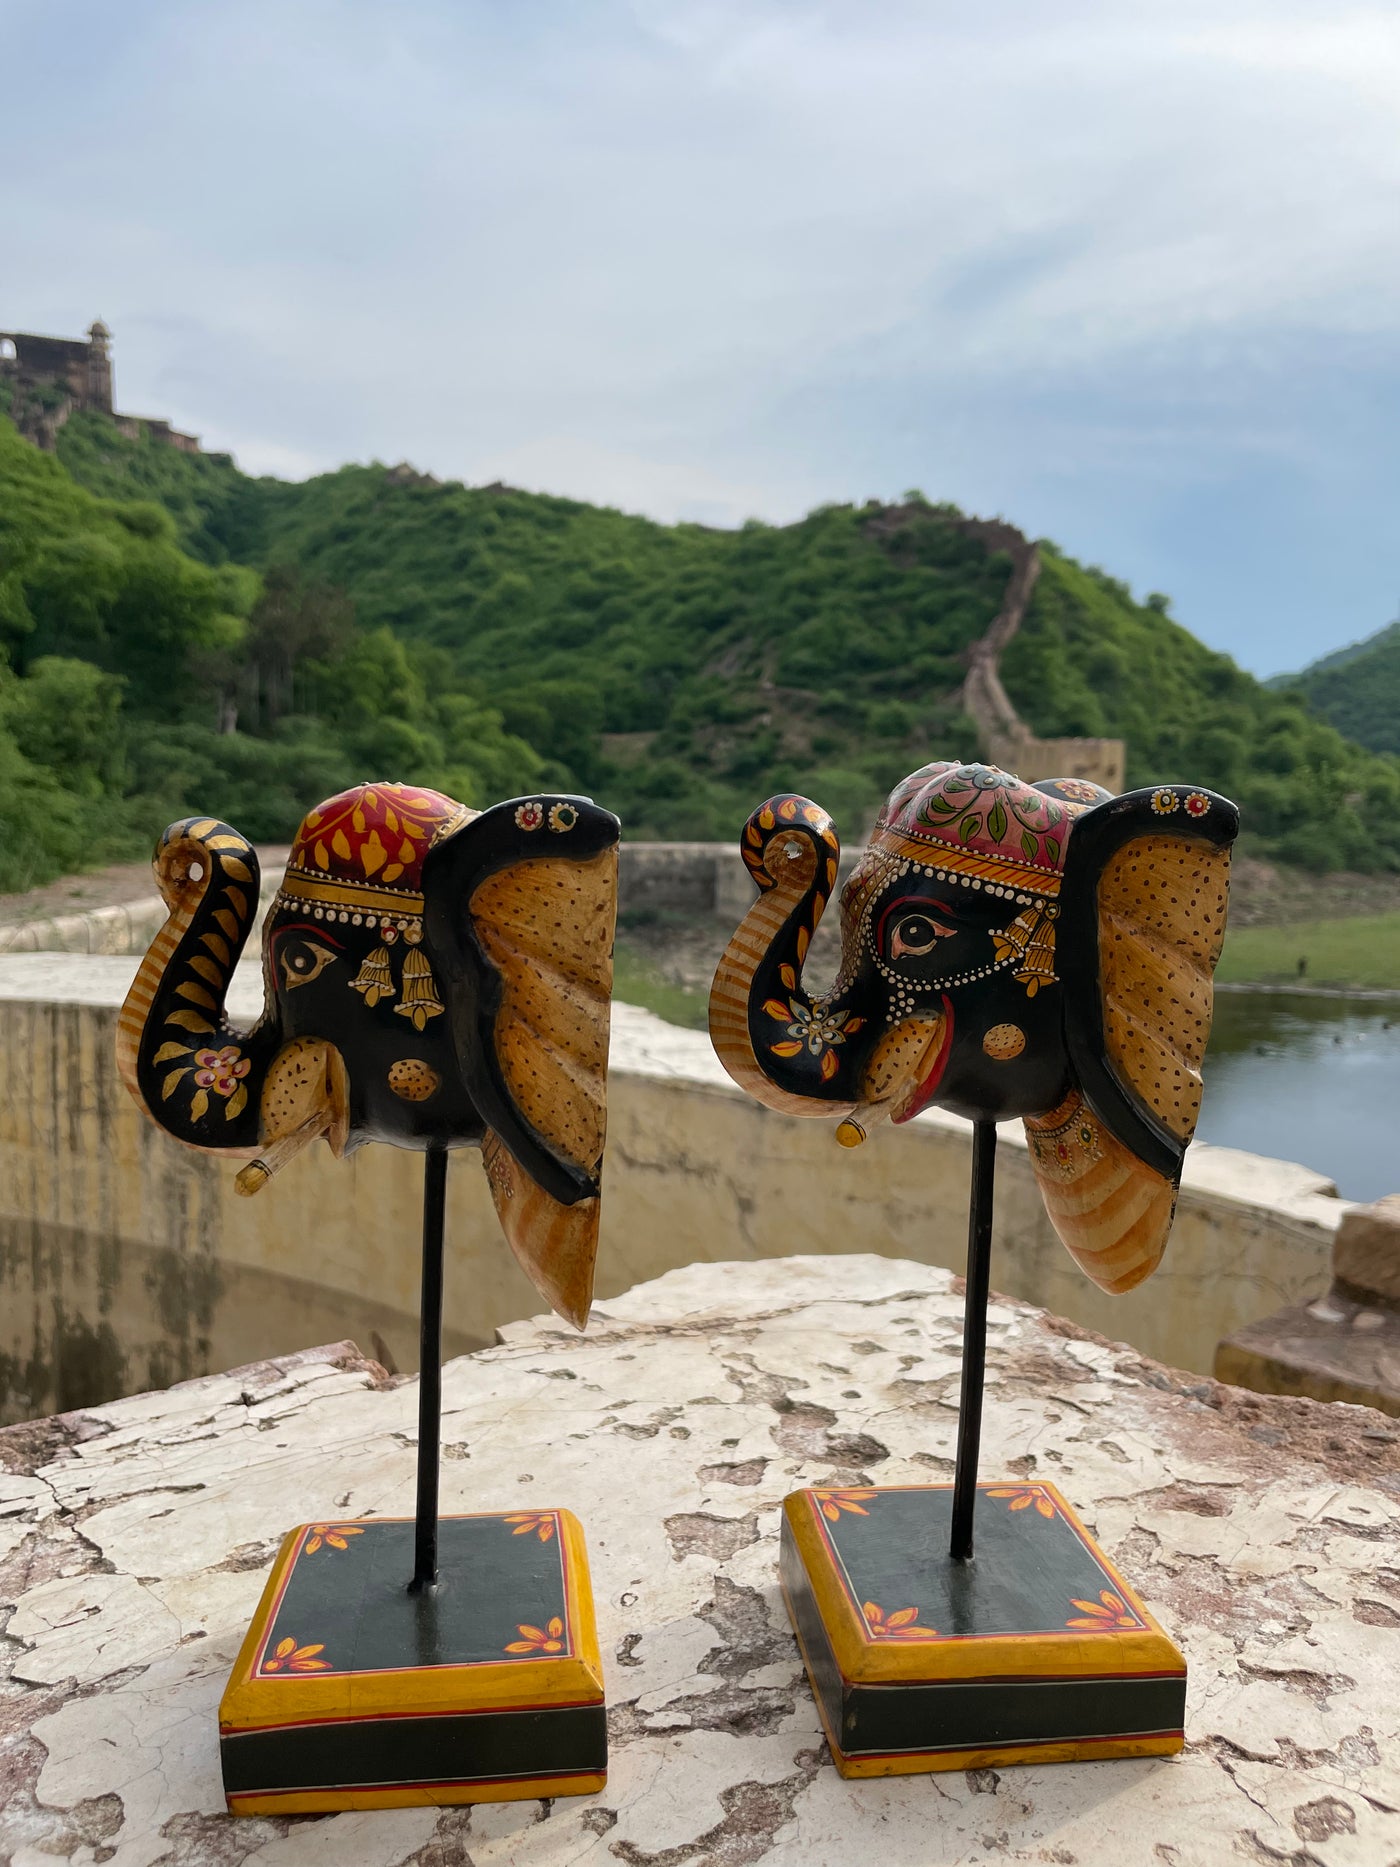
[{"x": 1126, "y": 272}]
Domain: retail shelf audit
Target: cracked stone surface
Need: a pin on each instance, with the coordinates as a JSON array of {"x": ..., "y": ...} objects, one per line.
[{"x": 1264, "y": 1533}]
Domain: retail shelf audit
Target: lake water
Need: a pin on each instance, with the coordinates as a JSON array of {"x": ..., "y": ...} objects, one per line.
[{"x": 1315, "y": 1080}]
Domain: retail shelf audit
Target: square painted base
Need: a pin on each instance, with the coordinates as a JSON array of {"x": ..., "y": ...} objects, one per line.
[
  {"x": 350, "y": 1693},
  {"x": 1036, "y": 1651}
]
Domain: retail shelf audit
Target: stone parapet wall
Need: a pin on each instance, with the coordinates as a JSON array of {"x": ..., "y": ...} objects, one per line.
[
  {"x": 127, "y": 1261},
  {"x": 127, "y": 928},
  {"x": 700, "y": 880}
]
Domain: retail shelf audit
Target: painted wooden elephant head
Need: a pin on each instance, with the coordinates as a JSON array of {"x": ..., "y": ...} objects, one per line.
[
  {"x": 434, "y": 974},
  {"x": 1043, "y": 951}
]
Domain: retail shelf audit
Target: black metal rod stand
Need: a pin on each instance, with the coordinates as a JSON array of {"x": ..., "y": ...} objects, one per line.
[
  {"x": 974, "y": 1366},
  {"x": 425, "y": 1541}
]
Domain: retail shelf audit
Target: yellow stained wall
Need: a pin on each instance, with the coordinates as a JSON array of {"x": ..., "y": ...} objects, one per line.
[{"x": 127, "y": 1261}]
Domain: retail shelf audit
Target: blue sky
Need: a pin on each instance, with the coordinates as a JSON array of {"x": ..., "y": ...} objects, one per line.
[{"x": 1126, "y": 271}]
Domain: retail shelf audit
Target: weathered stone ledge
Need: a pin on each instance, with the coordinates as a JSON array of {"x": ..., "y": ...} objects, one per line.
[{"x": 1264, "y": 1533}]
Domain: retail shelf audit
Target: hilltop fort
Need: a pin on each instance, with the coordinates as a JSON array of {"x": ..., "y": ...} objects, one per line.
[{"x": 51, "y": 378}]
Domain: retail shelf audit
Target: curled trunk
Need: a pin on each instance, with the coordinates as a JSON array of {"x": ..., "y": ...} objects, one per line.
[
  {"x": 836, "y": 1056},
  {"x": 768, "y": 1032},
  {"x": 197, "y": 1075}
]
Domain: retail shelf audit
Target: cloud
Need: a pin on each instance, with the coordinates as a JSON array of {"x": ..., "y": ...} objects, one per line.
[
  {"x": 735, "y": 255},
  {"x": 669, "y": 490}
]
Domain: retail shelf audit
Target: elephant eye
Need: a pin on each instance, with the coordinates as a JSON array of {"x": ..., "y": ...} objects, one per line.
[
  {"x": 302, "y": 961},
  {"x": 917, "y": 934}
]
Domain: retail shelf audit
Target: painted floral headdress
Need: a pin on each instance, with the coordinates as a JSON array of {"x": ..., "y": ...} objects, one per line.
[
  {"x": 358, "y": 859},
  {"x": 980, "y": 825}
]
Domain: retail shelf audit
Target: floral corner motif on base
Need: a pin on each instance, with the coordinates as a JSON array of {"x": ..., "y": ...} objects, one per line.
[
  {"x": 333, "y": 1535},
  {"x": 900, "y": 1625},
  {"x": 287, "y": 1656},
  {"x": 1024, "y": 1497},
  {"x": 1109, "y": 1614},
  {"x": 832, "y": 1503},
  {"x": 546, "y": 1639}
]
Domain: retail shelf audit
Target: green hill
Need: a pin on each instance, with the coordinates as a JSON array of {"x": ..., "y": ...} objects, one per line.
[
  {"x": 256, "y": 644},
  {"x": 1357, "y": 689}
]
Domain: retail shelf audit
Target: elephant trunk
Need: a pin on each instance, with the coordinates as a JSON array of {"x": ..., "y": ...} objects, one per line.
[
  {"x": 779, "y": 1045},
  {"x": 195, "y": 1074},
  {"x": 795, "y": 1054}
]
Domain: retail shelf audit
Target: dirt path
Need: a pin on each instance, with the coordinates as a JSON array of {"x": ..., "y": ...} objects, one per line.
[
  {"x": 112, "y": 887},
  {"x": 1264, "y": 895}
]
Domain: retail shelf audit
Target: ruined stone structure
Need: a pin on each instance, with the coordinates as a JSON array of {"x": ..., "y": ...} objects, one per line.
[{"x": 51, "y": 378}]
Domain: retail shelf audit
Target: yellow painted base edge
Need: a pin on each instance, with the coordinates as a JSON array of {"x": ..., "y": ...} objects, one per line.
[
  {"x": 249, "y": 1703},
  {"x": 1072, "y": 1750},
  {"x": 413, "y": 1796},
  {"x": 929, "y": 1762}
]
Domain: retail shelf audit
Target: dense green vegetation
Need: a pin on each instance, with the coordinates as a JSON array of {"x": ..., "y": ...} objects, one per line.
[
  {"x": 1089, "y": 660},
  {"x": 138, "y": 682},
  {"x": 178, "y": 635},
  {"x": 638, "y": 981},
  {"x": 1358, "y": 689}
]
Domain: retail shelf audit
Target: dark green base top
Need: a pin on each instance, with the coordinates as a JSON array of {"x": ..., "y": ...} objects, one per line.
[{"x": 353, "y": 1684}]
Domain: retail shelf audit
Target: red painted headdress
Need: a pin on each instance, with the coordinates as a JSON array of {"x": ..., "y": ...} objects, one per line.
[{"x": 361, "y": 853}]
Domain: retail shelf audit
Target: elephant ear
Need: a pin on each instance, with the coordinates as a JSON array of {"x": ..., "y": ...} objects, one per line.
[
  {"x": 1142, "y": 919},
  {"x": 521, "y": 910}
]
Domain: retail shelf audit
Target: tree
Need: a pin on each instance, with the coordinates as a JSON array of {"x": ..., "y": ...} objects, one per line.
[{"x": 65, "y": 715}]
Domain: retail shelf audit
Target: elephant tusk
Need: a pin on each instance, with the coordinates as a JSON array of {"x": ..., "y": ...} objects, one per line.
[
  {"x": 858, "y": 1128},
  {"x": 255, "y": 1176}
]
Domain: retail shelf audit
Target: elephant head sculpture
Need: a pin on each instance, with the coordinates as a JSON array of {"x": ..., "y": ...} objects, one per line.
[
  {"x": 1044, "y": 951},
  {"x": 434, "y": 975}
]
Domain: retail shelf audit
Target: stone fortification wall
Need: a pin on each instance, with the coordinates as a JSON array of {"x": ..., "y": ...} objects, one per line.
[
  {"x": 1101, "y": 761},
  {"x": 1006, "y": 740},
  {"x": 128, "y": 1262}
]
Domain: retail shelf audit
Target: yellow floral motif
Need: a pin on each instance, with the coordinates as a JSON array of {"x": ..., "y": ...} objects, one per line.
[
  {"x": 896, "y": 1626},
  {"x": 832, "y": 1503},
  {"x": 538, "y": 1639},
  {"x": 1164, "y": 802},
  {"x": 295, "y": 1659},
  {"x": 525, "y": 1521},
  {"x": 1023, "y": 1497},
  {"x": 1110, "y": 1611},
  {"x": 332, "y": 1534}
]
